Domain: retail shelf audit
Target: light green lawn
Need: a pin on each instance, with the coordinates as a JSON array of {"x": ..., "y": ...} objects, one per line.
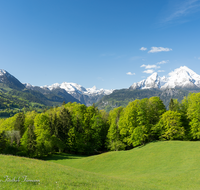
[
  {"x": 159, "y": 165},
  {"x": 53, "y": 176}
]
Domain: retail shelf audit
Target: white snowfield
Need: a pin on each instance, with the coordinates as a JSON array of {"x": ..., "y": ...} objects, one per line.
[
  {"x": 182, "y": 77},
  {"x": 72, "y": 88}
]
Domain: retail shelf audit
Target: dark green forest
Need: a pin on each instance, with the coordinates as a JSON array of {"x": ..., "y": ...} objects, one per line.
[{"x": 76, "y": 128}]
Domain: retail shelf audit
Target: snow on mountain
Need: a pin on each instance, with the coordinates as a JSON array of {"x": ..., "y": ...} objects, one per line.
[
  {"x": 4, "y": 72},
  {"x": 182, "y": 77},
  {"x": 10, "y": 80},
  {"x": 28, "y": 85},
  {"x": 153, "y": 81},
  {"x": 73, "y": 88}
]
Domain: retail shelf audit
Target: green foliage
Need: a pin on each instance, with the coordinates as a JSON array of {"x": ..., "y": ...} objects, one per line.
[
  {"x": 194, "y": 114},
  {"x": 28, "y": 141},
  {"x": 138, "y": 119},
  {"x": 128, "y": 121},
  {"x": 170, "y": 126},
  {"x": 3, "y": 141},
  {"x": 114, "y": 141},
  {"x": 75, "y": 128},
  {"x": 42, "y": 131}
]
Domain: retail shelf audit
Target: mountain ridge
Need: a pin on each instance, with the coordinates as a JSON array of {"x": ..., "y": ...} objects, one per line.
[
  {"x": 182, "y": 77},
  {"x": 176, "y": 84},
  {"x": 87, "y": 96}
]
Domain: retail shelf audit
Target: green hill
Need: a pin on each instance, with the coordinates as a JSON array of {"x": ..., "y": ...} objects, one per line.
[
  {"x": 52, "y": 176},
  {"x": 160, "y": 165}
]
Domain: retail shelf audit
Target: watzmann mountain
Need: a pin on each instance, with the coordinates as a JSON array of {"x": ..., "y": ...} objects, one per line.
[
  {"x": 177, "y": 84},
  {"x": 181, "y": 78}
]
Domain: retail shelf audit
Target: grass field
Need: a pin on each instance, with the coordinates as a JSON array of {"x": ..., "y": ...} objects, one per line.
[{"x": 159, "y": 165}]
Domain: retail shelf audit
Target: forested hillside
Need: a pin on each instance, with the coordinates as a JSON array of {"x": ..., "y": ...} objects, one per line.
[
  {"x": 124, "y": 96},
  {"x": 75, "y": 128},
  {"x": 14, "y": 100}
]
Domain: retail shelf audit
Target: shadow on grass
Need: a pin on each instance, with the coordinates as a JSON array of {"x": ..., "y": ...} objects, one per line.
[
  {"x": 143, "y": 145},
  {"x": 63, "y": 156}
]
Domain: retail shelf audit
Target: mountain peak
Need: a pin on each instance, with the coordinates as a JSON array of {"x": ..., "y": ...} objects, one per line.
[
  {"x": 153, "y": 76},
  {"x": 182, "y": 77},
  {"x": 7, "y": 79},
  {"x": 153, "y": 81},
  {"x": 94, "y": 88},
  {"x": 4, "y": 72}
]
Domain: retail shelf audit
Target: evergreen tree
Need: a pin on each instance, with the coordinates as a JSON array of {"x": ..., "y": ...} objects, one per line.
[
  {"x": 3, "y": 142},
  {"x": 19, "y": 123},
  {"x": 171, "y": 104},
  {"x": 63, "y": 126}
]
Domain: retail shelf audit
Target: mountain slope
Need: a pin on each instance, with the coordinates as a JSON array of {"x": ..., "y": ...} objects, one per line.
[
  {"x": 15, "y": 96},
  {"x": 124, "y": 96},
  {"x": 49, "y": 95},
  {"x": 182, "y": 77},
  {"x": 6, "y": 79}
]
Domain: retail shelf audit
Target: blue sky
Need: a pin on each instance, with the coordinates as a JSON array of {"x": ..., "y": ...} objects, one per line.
[{"x": 107, "y": 43}]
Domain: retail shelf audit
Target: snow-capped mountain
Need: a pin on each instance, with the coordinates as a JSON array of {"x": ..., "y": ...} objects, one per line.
[
  {"x": 7, "y": 79},
  {"x": 73, "y": 88},
  {"x": 87, "y": 96},
  {"x": 182, "y": 77}
]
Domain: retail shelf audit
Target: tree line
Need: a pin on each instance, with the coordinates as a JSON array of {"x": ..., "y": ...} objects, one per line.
[{"x": 75, "y": 128}]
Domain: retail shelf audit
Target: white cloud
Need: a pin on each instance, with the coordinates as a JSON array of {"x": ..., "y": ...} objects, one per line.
[
  {"x": 161, "y": 71},
  {"x": 150, "y": 66},
  {"x": 129, "y": 73},
  {"x": 148, "y": 71},
  {"x": 159, "y": 49},
  {"x": 199, "y": 58},
  {"x": 143, "y": 49},
  {"x": 163, "y": 62}
]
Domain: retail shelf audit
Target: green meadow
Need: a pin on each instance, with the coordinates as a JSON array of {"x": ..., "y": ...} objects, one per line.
[{"x": 157, "y": 165}]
